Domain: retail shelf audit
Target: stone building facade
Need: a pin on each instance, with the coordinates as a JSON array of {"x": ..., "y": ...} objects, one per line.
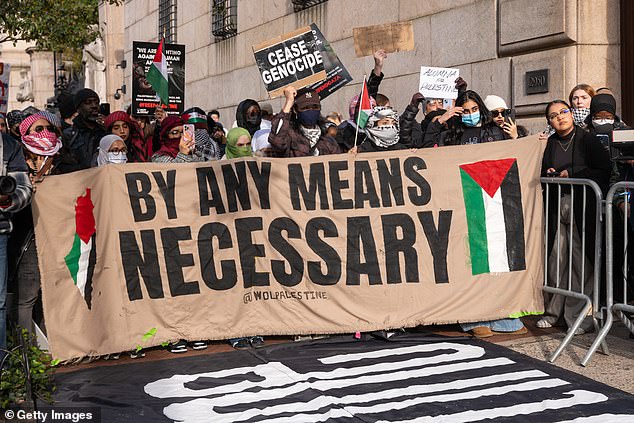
[{"x": 494, "y": 43}]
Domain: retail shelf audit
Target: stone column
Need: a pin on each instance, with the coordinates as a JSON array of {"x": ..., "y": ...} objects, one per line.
[
  {"x": 42, "y": 76},
  {"x": 111, "y": 22}
]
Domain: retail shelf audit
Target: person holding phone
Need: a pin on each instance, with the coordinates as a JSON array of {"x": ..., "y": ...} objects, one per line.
[
  {"x": 571, "y": 152},
  {"x": 177, "y": 146},
  {"x": 504, "y": 118}
]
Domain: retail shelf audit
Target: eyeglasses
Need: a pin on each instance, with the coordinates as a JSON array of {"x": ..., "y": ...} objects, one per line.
[
  {"x": 118, "y": 152},
  {"x": 554, "y": 115},
  {"x": 40, "y": 128},
  {"x": 496, "y": 113}
]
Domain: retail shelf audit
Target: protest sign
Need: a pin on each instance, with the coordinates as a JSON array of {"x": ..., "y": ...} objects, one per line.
[
  {"x": 438, "y": 82},
  {"x": 266, "y": 246},
  {"x": 392, "y": 37},
  {"x": 5, "y": 72},
  {"x": 144, "y": 98},
  {"x": 291, "y": 59},
  {"x": 336, "y": 73}
]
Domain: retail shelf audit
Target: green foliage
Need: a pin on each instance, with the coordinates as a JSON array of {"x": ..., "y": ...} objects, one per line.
[
  {"x": 53, "y": 24},
  {"x": 13, "y": 383}
]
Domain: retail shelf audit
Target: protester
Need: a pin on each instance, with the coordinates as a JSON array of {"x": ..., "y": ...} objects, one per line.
[
  {"x": 175, "y": 148},
  {"x": 260, "y": 141},
  {"x": 67, "y": 110},
  {"x": 571, "y": 152},
  {"x": 14, "y": 119},
  {"x": 219, "y": 135},
  {"x": 206, "y": 148},
  {"x": 297, "y": 131},
  {"x": 121, "y": 124},
  {"x": 13, "y": 165},
  {"x": 3, "y": 124},
  {"x": 430, "y": 117},
  {"x": 41, "y": 142},
  {"x": 501, "y": 115},
  {"x": 238, "y": 144},
  {"x": 267, "y": 115},
  {"x": 347, "y": 133},
  {"x": 249, "y": 115},
  {"x": 334, "y": 117},
  {"x": 82, "y": 139},
  {"x": 468, "y": 122},
  {"x": 112, "y": 150}
]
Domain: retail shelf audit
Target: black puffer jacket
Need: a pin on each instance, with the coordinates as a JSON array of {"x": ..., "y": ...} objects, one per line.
[{"x": 80, "y": 145}]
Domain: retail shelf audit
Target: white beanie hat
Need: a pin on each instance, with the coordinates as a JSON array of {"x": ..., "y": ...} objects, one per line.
[{"x": 494, "y": 102}]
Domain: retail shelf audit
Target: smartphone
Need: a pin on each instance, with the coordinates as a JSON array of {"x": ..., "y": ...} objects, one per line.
[
  {"x": 188, "y": 132},
  {"x": 605, "y": 139},
  {"x": 104, "y": 109},
  {"x": 509, "y": 115}
]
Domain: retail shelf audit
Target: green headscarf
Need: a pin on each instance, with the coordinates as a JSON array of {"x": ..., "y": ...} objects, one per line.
[{"x": 232, "y": 150}]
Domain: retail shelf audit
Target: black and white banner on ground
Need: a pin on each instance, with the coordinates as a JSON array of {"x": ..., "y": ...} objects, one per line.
[
  {"x": 291, "y": 59},
  {"x": 410, "y": 379}
]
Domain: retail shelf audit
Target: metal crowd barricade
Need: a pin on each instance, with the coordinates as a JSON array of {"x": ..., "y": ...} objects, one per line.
[
  {"x": 612, "y": 308},
  {"x": 567, "y": 290}
]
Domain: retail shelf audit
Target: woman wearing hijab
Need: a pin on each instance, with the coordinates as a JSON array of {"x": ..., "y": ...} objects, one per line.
[
  {"x": 112, "y": 150},
  {"x": 121, "y": 124},
  {"x": 41, "y": 142},
  {"x": 175, "y": 148},
  {"x": 238, "y": 144}
]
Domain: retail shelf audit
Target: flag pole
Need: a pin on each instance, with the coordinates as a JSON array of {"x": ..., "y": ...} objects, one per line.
[{"x": 356, "y": 134}]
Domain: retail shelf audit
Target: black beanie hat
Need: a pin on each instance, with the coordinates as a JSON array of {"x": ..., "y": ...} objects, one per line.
[
  {"x": 602, "y": 103},
  {"x": 66, "y": 105},
  {"x": 83, "y": 95}
]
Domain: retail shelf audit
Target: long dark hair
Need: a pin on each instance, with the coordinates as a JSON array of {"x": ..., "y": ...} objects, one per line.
[
  {"x": 457, "y": 127},
  {"x": 552, "y": 103}
]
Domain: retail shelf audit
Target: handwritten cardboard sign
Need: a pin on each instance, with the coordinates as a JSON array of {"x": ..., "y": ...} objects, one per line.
[
  {"x": 291, "y": 59},
  {"x": 392, "y": 37},
  {"x": 438, "y": 82}
]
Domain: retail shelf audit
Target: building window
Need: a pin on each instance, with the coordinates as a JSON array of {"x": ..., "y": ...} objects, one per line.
[
  {"x": 224, "y": 18},
  {"x": 299, "y": 5},
  {"x": 167, "y": 20}
]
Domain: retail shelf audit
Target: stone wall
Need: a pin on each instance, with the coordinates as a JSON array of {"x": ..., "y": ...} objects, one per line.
[{"x": 493, "y": 43}]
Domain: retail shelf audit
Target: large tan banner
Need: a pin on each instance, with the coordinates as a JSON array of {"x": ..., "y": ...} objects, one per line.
[{"x": 331, "y": 244}]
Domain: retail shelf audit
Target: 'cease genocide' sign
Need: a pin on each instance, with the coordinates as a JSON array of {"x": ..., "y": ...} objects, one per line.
[
  {"x": 265, "y": 246},
  {"x": 292, "y": 59}
]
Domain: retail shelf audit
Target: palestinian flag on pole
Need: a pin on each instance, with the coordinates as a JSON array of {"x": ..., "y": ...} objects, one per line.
[
  {"x": 365, "y": 107},
  {"x": 157, "y": 75},
  {"x": 83, "y": 255},
  {"x": 495, "y": 218}
]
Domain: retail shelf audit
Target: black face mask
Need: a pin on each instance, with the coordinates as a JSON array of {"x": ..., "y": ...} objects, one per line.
[
  {"x": 253, "y": 120},
  {"x": 604, "y": 129}
]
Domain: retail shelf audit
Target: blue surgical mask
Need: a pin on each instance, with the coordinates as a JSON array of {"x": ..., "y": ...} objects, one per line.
[
  {"x": 308, "y": 117},
  {"x": 472, "y": 119}
]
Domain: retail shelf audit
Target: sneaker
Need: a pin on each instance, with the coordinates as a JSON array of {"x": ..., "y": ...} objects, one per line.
[
  {"x": 137, "y": 354},
  {"x": 580, "y": 331},
  {"x": 481, "y": 332},
  {"x": 240, "y": 343},
  {"x": 199, "y": 345},
  {"x": 543, "y": 324},
  {"x": 257, "y": 341},
  {"x": 178, "y": 347}
]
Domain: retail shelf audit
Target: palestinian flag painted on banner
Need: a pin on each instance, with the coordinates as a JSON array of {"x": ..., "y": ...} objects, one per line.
[
  {"x": 365, "y": 108},
  {"x": 83, "y": 255},
  {"x": 157, "y": 75},
  {"x": 495, "y": 218}
]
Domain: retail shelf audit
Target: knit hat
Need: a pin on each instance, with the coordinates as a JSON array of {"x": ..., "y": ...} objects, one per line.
[
  {"x": 306, "y": 97},
  {"x": 14, "y": 117},
  {"x": 170, "y": 123},
  {"x": 115, "y": 116},
  {"x": 66, "y": 105},
  {"x": 494, "y": 102},
  {"x": 602, "y": 103},
  {"x": 195, "y": 116},
  {"x": 83, "y": 95}
]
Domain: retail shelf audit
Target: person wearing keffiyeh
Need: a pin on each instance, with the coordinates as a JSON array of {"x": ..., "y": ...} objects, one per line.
[{"x": 174, "y": 147}]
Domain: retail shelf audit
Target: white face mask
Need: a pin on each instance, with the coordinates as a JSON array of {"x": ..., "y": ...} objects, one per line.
[
  {"x": 383, "y": 136},
  {"x": 117, "y": 158},
  {"x": 599, "y": 122}
]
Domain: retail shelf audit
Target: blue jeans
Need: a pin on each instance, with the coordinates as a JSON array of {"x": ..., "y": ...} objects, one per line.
[
  {"x": 501, "y": 325},
  {"x": 3, "y": 293}
]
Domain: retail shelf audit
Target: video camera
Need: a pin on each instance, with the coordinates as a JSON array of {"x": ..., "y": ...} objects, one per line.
[
  {"x": 621, "y": 143},
  {"x": 7, "y": 185}
]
